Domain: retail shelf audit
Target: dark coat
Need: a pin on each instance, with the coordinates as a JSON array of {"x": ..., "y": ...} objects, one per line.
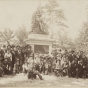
[{"x": 71, "y": 57}]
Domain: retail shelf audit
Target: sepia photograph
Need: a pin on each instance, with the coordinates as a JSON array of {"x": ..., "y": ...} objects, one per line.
[{"x": 44, "y": 43}]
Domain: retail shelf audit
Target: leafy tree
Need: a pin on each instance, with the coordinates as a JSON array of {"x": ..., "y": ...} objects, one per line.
[
  {"x": 21, "y": 35},
  {"x": 65, "y": 42},
  {"x": 81, "y": 43},
  {"x": 54, "y": 15},
  {"x": 82, "y": 40},
  {"x": 6, "y": 35}
]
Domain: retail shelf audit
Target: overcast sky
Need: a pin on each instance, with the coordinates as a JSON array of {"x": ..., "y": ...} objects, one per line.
[{"x": 14, "y": 14}]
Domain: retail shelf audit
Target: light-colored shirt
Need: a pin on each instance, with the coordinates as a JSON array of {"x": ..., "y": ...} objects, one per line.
[
  {"x": 57, "y": 66},
  {"x": 8, "y": 56},
  {"x": 25, "y": 66},
  {"x": 46, "y": 65}
]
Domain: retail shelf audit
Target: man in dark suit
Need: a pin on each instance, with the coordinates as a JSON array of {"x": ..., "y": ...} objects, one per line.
[
  {"x": 84, "y": 59},
  {"x": 71, "y": 58}
]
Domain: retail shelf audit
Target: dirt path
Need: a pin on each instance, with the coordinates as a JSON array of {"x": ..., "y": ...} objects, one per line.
[{"x": 49, "y": 80}]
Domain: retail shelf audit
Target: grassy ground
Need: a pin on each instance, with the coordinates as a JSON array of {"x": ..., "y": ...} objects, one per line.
[{"x": 49, "y": 80}]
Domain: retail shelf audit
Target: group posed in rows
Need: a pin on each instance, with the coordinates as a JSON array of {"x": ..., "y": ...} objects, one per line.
[
  {"x": 72, "y": 64},
  {"x": 12, "y": 58},
  {"x": 78, "y": 65},
  {"x": 40, "y": 64},
  {"x": 16, "y": 59}
]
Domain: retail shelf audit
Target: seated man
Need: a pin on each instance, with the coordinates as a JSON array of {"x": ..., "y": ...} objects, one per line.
[{"x": 32, "y": 72}]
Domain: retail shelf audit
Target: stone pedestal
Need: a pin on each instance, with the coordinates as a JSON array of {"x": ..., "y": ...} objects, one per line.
[{"x": 40, "y": 39}]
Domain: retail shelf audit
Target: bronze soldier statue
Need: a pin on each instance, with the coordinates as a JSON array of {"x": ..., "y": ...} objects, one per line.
[{"x": 38, "y": 25}]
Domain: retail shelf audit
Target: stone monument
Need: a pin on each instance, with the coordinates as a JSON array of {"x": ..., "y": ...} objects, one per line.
[{"x": 39, "y": 37}]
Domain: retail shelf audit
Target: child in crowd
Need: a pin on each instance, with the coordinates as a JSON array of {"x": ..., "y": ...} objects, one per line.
[
  {"x": 25, "y": 68},
  {"x": 46, "y": 68}
]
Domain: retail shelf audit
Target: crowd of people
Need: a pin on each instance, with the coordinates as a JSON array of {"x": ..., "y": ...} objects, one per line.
[
  {"x": 16, "y": 59},
  {"x": 71, "y": 64},
  {"x": 12, "y": 58}
]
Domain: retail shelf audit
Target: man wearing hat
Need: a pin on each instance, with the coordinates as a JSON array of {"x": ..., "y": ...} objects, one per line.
[
  {"x": 8, "y": 58},
  {"x": 71, "y": 58},
  {"x": 13, "y": 56},
  {"x": 80, "y": 69},
  {"x": 32, "y": 72}
]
